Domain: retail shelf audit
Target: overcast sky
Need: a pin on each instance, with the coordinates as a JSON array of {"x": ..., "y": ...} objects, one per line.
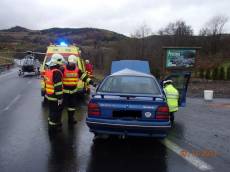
[{"x": 123, "y": 16}]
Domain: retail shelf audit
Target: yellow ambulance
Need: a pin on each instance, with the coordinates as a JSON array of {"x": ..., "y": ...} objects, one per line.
[{"x": 65, "y": 51}]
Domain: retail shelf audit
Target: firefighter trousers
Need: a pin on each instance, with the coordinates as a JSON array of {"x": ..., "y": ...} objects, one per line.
[
  {"x": 70, "y": 102},
  {"x": 55, "y": 112}
]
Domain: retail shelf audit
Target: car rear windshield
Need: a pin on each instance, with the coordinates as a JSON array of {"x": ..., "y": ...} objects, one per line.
[{"x": 130, "y": 85}]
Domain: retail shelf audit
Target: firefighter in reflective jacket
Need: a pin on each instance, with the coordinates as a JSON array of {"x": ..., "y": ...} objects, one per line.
[
  {"x": 54, "y": 92},
  {"x": 172, "y": 96},
  {"x": 71, "y": 76},
  {"x": 89, "y": 68}
]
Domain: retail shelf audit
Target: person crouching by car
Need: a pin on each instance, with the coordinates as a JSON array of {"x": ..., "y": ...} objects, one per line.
[{"x": 172, "y": 96}]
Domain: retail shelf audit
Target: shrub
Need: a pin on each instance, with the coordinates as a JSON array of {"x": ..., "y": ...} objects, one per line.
[
  {"x": 221, "y": 75},
  {"x": 156, "y": 72},
  {"x": 196, "y": 74},
  {"x": 208, "y": 74},
  {"x": 201, "y": 73},
  {"x": 215, "y": 73},
  {"x": 228, "y": 73}
]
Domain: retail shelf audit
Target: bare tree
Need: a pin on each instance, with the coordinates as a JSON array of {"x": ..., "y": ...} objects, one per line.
[
  {"x": 214, "y": 29},
  {"x": 214, "y": 26},
  {"x": 142, "y": 32},
  {"x": 178, "y": 32},
  {"x": 178, "y": 28},
  {"x": 140, "y": 36}
]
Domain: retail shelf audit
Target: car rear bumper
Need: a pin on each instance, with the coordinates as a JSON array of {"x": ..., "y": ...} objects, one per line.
[{"x": 120, "y": 127}]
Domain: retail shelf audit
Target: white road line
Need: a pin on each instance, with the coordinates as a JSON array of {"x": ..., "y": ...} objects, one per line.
[
  {"x": 201, "y": 165},
  {"x": 12, "y": 102},
  {"x": 29, "y": 82},
  {"x": 8, "y": 73}
]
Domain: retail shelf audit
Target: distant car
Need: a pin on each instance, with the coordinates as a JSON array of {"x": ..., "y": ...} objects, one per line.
[{"x": 129, "y": 102}]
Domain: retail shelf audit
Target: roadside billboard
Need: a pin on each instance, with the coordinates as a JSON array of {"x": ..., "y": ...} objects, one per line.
[{"x": 182, "y": 58}]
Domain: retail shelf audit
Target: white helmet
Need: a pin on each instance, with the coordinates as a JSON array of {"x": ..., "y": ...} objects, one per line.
[
  {"x": 56, "y": 59},
  {"x": 87, "y": 61},
  {"x": 72, "y": 59},
  {"x": 167, "y": 82}
]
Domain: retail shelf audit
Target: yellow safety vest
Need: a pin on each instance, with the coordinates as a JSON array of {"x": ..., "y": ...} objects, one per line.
[{"x": 172, "y": 96}]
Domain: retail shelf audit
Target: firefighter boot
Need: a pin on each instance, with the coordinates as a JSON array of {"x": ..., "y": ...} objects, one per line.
[
  {"x": 71, "y": 118},
  {"x": 54, "y": 125},
  {"x": 54, "y": 128}
]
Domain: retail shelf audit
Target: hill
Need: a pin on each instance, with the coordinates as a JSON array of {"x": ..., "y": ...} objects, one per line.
[
  {"x": 93, "y": 41},
  {"x": 102, "y": 46}
]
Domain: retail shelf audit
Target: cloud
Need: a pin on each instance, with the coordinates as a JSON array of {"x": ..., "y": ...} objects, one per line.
[{"x": 122, "y": 16}]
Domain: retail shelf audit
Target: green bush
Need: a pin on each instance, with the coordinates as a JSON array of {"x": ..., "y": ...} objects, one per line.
[
  {"x": 195, "y": 73},
  {"x": 156, "y": 72},
  {"x": 201, "y": 73},
  {"x": 221, "y": 74},
  {"x": 215, "y": 73},
  {"x": 228, "y": 73},
  {"x": 208, "y": 74}
]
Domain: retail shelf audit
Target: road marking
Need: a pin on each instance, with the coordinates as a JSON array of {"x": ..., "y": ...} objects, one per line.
[
  {"x": 29, "y": 82},
  {"x": 8, "y": 73},
  {"x": 12, "y": 102},
  {"x": 201, "y": 165}
]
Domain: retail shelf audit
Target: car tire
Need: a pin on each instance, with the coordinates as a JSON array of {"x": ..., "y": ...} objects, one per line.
[{"x": 100, "y": 137}]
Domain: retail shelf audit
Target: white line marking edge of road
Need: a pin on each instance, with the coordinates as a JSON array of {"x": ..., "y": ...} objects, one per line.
[
  {"x": 12, "y": 102},
  {"x": 201, "y": 165},
  {"x": 2, "y": 75}
]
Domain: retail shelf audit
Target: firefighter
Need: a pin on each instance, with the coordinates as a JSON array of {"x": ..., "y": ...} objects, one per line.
[
  {"x": 71, "y": 76},
  {"x": 89, "y": 68},
  {"x": 172, "y": 96},
  {"x": 54, "y": 91}
]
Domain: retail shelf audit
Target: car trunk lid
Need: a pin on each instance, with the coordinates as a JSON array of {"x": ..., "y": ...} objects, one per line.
[{"x": 128, "y": 107}]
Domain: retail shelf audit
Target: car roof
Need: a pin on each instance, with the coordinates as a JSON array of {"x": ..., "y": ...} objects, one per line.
[{"x": 130, "y": 72}]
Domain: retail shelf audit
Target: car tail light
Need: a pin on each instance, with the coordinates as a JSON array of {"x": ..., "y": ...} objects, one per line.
[
  {"x": 93, "y": 109},
  {"x": 162, "y": 113}
]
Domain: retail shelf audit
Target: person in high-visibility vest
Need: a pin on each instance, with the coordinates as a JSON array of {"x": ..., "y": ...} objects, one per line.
[
  {"x": 54, "y": 91},
  {"x": 89, "y": 68},
  {"x": 172, "y": 96},
  {"x": 71, "y": 76}
]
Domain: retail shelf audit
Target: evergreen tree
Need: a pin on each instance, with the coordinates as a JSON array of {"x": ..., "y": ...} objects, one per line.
[
  {"x": 208, "y": 74},
  {"x": 201, "y": 73},
  {"x": 228, "y": 73},
  {"x": 221, "y": 75},
  {"x": 215, "y": 73}
]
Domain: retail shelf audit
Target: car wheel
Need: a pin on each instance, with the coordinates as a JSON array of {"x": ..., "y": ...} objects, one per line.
[{"x": 100, "y": 136}]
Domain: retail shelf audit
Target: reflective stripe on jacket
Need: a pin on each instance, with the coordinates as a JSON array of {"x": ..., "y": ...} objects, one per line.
[
  {"x": 70, "y": 80},
  {"x": 51, "y": 92},
  {"x": 172, "y": 96},
  {"x": 70, "y": 77}
]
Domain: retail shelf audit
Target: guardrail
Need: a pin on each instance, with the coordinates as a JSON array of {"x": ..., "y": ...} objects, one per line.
[
  {"x": 4, "y": 60},
  {"x": 5, "y": 63}
]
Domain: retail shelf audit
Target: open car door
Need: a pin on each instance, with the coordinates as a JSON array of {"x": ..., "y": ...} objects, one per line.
[{"x": 180, "y": 81}]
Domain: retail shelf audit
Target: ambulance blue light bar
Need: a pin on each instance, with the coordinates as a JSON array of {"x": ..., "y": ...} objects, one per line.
[{"x": 64, "y": 44}]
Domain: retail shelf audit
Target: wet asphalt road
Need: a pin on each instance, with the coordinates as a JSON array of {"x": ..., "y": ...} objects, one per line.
[{"x": 25, "y": 144}]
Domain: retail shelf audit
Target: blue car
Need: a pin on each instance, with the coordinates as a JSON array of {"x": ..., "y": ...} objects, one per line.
[{"x": 130, "y": 102}]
